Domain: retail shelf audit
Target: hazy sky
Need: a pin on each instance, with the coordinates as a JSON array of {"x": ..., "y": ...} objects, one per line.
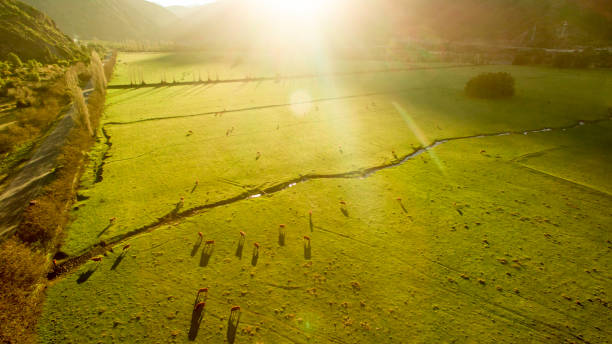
[{"x": 180, "y": 2}]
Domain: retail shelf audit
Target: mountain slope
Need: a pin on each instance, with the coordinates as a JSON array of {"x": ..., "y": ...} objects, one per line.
[
  {"x": 107, "y": 19},
  {"x": 240, "y": 23},
  {"x": 183, "y": 11},
  {"x": 30, "y": 34}
]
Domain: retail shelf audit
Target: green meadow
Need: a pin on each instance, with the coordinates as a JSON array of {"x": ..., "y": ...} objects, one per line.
[{"x": 500, "y": 238}]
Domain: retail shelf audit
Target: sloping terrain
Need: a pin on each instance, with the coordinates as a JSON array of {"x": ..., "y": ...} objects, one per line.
[
  {"x": 107, "y": 19},
  {"x": 538, "y": 23},
  {"x": 30, "y": 34}
]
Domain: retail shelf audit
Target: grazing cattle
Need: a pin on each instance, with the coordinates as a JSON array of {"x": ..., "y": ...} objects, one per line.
[
  {"x": 112, "y": 220},
  {"x": 126, "y": 247},
  {"x": 200, "y": 235},
  {"x": 203, "y": 290},
  {"x": 256, "y": 245},
  {"x": 306, "y": 237},
  {"x": 200, "y": 305},
  {"x": 242, "y": 234},
  {"x": 97, "y": 259},
  {"x": 235, "y": 308},
  {"x": 343, "y": 202},
  {"x": 210, "y": 242}
]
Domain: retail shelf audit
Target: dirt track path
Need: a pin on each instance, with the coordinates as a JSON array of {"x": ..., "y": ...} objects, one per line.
[{"x": 26, "y": 184}]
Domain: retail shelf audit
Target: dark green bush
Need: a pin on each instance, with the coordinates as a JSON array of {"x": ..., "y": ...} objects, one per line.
[{"x": 491, "y": 85}]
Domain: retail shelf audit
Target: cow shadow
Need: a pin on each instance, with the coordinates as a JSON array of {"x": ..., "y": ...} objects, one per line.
[
  {"x": 232, "y": 328},
  {"x": 240, "y": 248},
  {"x": 196, "y": 319},
  {"x": 118, "y": 260},
  {"x": 196, "y": 246},
  {"x": 207, "y": 252}
]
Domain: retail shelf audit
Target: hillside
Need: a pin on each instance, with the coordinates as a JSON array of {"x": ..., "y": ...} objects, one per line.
[
  {"x": 107, "y": 19},
  {"x": 358, "y": 21},
  {"x": 183, "y": 11},
  {"x": 32, "y": 35}
]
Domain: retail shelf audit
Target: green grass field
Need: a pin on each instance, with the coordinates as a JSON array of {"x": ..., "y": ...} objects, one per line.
[{"x": 495, "y": 239}]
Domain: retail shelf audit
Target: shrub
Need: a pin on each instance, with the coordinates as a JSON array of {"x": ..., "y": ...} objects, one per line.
[
  {"x": 32, "y": 76},
  {"x": 6, "y": 143},
  {"x": 14, "y": 60},
  {"x": 21, "y": 270},
  {"x": 491, "y": 85}
]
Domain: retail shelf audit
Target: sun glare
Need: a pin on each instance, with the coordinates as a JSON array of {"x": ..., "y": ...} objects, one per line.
[{"x": 303, "y": 9}]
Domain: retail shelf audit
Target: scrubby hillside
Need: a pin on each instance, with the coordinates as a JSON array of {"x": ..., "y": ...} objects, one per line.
[
  {"x": 30, "y": 34},
  {"x": 107, "y": 19}
]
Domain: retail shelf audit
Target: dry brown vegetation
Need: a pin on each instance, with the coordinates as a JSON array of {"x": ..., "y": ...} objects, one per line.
[
  {"x": 76, "y": 93},
  {"x": 22, "y": 270},
  {"x": 23, "y": 262},
  {"x": 44, "y": 104}
]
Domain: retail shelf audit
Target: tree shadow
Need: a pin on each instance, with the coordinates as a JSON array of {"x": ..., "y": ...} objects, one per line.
[
  {"x": 207, "y": 251},
  {"x": 307, "y": 250},
  {"x": 196, "y": 319},
  {"x": 118, "y": 260},
  {"x": 240, "y": 248},
  {"x": 105, "y": 229},
  {"x": 84, "y": 276},
  {"x": 196, "y": 246},
  {"x": 232, "y": 327},
  {"x": 255, "y": 256}
]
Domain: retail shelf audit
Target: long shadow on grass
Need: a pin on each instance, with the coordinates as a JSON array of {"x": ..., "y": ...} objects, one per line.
[
  {"x": 307, "y": 250},
  {"x": 232, "y": 327},
  {"x": 361, "y": 173},
  {"x": 84, "y": 276},
  {"x": 196, "y": 319},
  {"x": 255, "y": 257},
  {"x": 105, "y": 229},
  {"x": 310, "y": 223},
  {"x": 196, "y": 246},
  {"x": 207, "y": 251},
  {"x": 118, "y": 260},
  {"x": 240, "y": 248}
]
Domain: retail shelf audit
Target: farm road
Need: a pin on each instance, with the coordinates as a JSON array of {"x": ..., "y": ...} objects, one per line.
[{"x": 26, "y": 184}]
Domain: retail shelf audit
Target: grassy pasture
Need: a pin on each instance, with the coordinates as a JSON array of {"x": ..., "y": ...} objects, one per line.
[
  {"x": 361, "y": 122},
  {"x": 526, "y": 260},
  {"x": 194, "y": 66},
  {"x": 495, "y": 239}
]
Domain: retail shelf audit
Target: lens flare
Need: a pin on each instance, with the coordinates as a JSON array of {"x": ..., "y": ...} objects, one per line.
[{"x": 419, "y": 134}]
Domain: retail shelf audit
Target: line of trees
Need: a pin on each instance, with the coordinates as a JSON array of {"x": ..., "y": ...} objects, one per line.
[{"x": 76, "y": 94}]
